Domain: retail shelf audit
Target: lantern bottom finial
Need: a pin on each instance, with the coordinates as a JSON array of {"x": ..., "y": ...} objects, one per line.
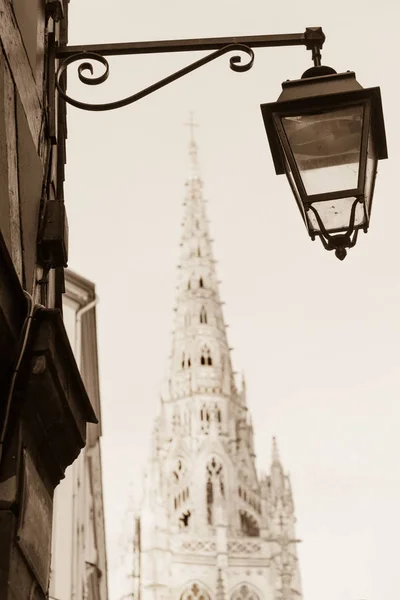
[{"x": 341, "y": 253}]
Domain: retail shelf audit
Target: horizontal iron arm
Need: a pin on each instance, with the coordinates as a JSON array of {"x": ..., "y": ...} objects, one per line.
[{"x": 312, "y": 37}]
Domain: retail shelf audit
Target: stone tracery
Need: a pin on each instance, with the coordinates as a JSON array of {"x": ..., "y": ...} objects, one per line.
[
  {"x": 195, "y": 592},
  {"x": 244, "y": 592}
]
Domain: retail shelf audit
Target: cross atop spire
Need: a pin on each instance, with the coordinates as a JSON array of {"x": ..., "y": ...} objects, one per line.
[
  {"x": 192, "y": 145},
  {"x": 191, "y": 124}
]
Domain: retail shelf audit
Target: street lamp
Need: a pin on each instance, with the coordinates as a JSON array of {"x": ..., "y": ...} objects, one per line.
[
  {"x": 325, "y": 131},
  {"x": 327, "y": 134}
]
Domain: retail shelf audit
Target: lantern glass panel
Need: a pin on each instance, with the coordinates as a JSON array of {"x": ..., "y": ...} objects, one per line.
[
  {"x": 326, "y": 147},
  {"x": 295, "y": 191},
  {"x": 335, "y": 215}
]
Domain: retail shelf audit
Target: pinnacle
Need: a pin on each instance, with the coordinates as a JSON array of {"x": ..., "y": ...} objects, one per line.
[
  {"x": 275, "y": 452},
  {"x": 220, "y": 592}
]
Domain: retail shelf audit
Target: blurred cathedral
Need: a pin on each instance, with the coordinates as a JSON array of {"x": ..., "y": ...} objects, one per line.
[{"x": 210, "y": 527}]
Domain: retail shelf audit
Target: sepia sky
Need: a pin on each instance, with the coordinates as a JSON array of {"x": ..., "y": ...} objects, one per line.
[{"x": 318, "y": 339}]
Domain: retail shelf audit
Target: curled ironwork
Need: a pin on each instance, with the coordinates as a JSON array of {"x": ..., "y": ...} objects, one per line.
[
  {"x": 339, "y": 241},
  {"x": 235, "y": 62}
]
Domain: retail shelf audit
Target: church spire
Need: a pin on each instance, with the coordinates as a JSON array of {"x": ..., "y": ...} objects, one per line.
[
  {"x": 200, "y": 351},
  {"x": 204, "y": 500}
]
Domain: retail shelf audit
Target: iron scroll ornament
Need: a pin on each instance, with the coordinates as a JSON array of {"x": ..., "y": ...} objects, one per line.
[
  {"x": 340, "y": 241},
  {"x": 235, "y": 63}
]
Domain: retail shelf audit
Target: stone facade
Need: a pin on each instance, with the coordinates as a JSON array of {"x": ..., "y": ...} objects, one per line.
[{"x": 210, "y": 527}]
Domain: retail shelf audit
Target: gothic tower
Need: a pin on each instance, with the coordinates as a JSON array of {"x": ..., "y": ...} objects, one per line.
[{"x": 211, "y": 528}]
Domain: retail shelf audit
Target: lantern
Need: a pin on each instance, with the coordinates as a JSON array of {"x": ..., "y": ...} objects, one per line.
[{"x": 327, "y": 134}]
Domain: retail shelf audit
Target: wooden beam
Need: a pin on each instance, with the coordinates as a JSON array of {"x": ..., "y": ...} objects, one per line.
[
  {"x": 21, "y": 71},
  {"x": 12, "y": 171}
]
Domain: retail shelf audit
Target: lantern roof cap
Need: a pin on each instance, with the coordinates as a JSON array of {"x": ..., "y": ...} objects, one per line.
[{"x": 319, "y": 85}]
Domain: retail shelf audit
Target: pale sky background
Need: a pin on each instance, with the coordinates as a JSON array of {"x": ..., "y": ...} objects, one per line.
[{"x": 318, "y": 340}]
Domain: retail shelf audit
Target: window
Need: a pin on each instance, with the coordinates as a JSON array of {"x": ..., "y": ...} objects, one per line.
[
  {"x": 205, "y": 356},
  {"x": 186, "y": 362},
  {"x": 189, "y": 286},
  {"x": 204, "y": 419},
  {"x": 203, "y": 315},
  {"x": 198, "y": 251},
  {"x": 244, "y": 593},
  {"x": 201, "y": 284},
  {"x": 184, "y": 518},
  {"x": 195, "y": 592},
  {"x": 204, "y": 414},
  {"x": 248, "y": 525},
  {"x": 210, "y": 499},
  {"x": 215, "y": 484}
]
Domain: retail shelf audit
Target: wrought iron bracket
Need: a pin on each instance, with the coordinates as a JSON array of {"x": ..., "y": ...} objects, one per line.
[{"x": 313, "y": 38}]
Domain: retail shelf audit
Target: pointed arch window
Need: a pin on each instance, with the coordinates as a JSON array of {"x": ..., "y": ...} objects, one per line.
[
  {"x": 203, "y": 315},
  {"x": 205, "y": 356},
  {"x": 189, "y": 285},
  {"x": 248, "y": 524},
  {"x": 215, "y": 485},
  {"x": 204, "y": 419},
  {"x": 244, "y": 593},
  {"x": 195, "y": 592},
  {"x": 198, "y": 252},
  {"x": 201, "y": 282}
]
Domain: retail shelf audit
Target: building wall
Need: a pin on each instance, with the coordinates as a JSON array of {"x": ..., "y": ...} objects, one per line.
[
  {"x": 79, "y": 569},
  {"x": 31, "y": 160}
]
